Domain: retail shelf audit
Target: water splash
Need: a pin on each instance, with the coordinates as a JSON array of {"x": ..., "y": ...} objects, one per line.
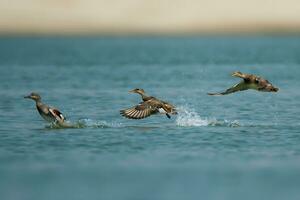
[
  {"x": 187, "y": 117},
  {"x": 98, "y": 124},
  {"x": 85, "y": 123}
]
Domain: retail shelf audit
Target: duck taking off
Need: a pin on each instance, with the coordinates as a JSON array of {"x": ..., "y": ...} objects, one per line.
[
  {"x": 249, "y": 81},
  {"x": 48, "y": 113},
  {"x": 149, "y": 106}
]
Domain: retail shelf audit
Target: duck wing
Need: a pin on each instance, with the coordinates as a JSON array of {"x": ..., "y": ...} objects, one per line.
[
  {"x": 57, "y": 114},
  {"x": 140, "y": 111},
  {"x": 236, "y": 88}
]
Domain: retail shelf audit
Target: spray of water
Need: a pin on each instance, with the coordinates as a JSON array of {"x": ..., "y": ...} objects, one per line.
[
  {"x": 85, "y": 123},
  {"x": 188, "y": 117}
]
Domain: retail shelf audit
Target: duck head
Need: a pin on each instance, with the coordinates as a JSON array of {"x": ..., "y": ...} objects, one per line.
[
  {"x": 138, "y": 91},
  {"x": 34, "y": 96}
]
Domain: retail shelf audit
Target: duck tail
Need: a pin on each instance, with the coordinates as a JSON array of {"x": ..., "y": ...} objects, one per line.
[{"x": 169, "y": 111}]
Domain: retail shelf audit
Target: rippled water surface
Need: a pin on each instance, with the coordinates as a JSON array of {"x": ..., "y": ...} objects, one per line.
[{"x": 241, "y": 146}]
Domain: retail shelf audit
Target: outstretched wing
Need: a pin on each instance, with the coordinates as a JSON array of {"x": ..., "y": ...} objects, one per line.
[
  {"x": 57, "y": 114},
  {"x": 236, "y": 88},
  {"x": 140, "y": 111}
]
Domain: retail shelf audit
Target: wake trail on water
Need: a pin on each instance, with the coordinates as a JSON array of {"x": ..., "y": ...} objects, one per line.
[
  {"x": 188, "y": 118},
  {"x": 84, "y": 123}
]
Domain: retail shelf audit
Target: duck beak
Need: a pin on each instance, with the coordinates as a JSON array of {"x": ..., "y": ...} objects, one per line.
[
  {"x": 26, "y": 97},
  {"x": 131, "y": 91}
]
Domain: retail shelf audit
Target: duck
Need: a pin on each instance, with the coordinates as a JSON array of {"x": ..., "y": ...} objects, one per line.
[
  {"x": 249, "y": 81},
  {"x": 50, "y": 114},
  {"x": 149, "y": 106}
]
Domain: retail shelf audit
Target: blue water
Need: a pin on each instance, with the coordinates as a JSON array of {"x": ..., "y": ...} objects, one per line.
[{"x": 241, "y": 146}]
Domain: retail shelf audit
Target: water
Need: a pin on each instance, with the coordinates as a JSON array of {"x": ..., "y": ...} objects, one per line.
[{"x": 241, "y": 146}]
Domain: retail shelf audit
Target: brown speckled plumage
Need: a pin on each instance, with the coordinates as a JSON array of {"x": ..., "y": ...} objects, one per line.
[
  {"x": 148, "y": 107},
  {"x": 48, "y": 113},
  {"x": 249, "y": 81}
]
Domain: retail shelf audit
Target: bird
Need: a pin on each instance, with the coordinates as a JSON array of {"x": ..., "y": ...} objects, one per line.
[
  {"x": 48, "y": 113},
  {"x": 249, "y": 81},
  {"x": 148, "y": 107}
]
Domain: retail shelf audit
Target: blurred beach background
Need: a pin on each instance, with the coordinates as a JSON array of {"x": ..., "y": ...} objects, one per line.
[
  {"x": 148, "y": 16},
  {"x": 83, "y": 56}
]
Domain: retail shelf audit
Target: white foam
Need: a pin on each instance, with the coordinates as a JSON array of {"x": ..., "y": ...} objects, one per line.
[
  {"x": 188, "y": 117},
  {"x": 97, "y": 124},
  {"x": 85, "y": 123}
]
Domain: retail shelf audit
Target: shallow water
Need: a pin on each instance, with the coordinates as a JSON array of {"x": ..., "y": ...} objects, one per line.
[{"x": 241, "y": 146}]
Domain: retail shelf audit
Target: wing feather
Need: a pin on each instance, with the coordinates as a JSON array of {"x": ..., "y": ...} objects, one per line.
[
  {"x": 57, "y": 114},
  {"x": 130, "y": 112},
  {"x": 140, "y": 111},
  {"x": 236, "y": 88}
]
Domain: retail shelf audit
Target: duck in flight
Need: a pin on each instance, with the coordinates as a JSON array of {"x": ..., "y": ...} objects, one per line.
[
  {"x": 149, "y": 106},
  {"x": 50, "y": 114},
  {"x": 249, "y": 81}
]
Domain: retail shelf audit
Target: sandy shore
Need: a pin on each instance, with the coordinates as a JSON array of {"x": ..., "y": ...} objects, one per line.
[{"x": 148, "y": 16}]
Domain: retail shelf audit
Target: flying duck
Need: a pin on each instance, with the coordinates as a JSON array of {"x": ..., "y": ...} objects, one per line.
[
  {"x": 249, "y": 81},
  {"x": 149, "y": 106},
  {"x": 48, "y": 113}
]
